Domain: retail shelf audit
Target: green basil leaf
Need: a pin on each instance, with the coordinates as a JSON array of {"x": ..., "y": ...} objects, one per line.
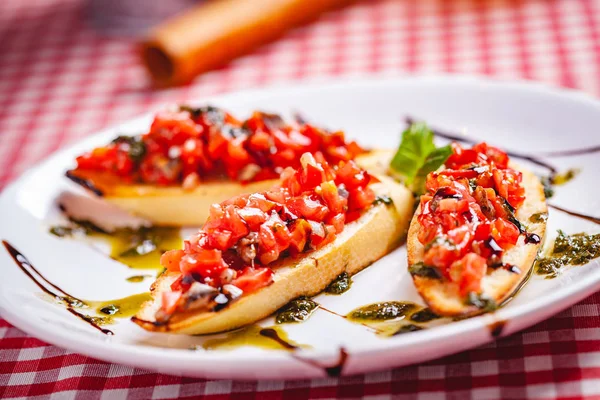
[{"x": 417, "y": 156}]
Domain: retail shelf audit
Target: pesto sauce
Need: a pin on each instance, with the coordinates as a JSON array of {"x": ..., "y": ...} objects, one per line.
[
  {"x": 135, "y": 247},
  {"x": 425, "y": 271},
  {"x": 382, "y": 311},
  {"x": 340, "y": 285},
  {"x": 424, "y": 315},
  {"x": 538, "y": 218},
  {"x": 392, "y": 318},
  {"x": 481, "y": 301},
  {"x": 273, "y": 338},
  {"x": 547, "y": 184},
  {"x": 297, "y": 310},
  {"x": 561, "y": 179},
  {"x": 407, "y": 328},
  {"x": 577, "y": 249}
]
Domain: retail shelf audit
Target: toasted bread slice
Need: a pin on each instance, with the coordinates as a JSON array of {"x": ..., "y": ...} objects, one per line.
[
  {"x": 175, "y": 206},
  {"x": 373, "y": 235},
  {"x": 443, "y": 297}
]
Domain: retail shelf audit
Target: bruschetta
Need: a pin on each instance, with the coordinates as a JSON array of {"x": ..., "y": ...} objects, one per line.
[
  {"x": 471, "y": 242},
  {"x": 257, "y": 252},
  {"x": 194, "y": 157}
]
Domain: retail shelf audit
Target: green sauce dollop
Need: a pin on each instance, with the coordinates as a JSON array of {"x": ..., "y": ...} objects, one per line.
[
  {"x": 577, "y": 249},
  {"x": 382, "y": 311},
  {"x": 340, "y": 285},
  {"x": 297, "y": 310}
]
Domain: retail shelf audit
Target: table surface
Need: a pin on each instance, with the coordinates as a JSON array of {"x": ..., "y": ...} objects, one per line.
[{"x": 60, "y": 81}]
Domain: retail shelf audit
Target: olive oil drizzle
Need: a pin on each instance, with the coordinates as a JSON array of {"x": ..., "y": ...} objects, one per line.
[
  {"x": 138, "y": 248},
  {"x": 273, "y": 338},
  {"x": 24, "y": 264},
  {"x": 256, "y": 336}
]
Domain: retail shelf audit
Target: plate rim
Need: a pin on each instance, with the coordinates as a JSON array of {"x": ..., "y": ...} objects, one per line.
[{"x": 97, "y": 348}]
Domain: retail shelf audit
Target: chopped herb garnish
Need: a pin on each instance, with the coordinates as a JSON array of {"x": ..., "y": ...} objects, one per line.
[
  {"x": 213, "y": 114},
  {"x": 387, "y": 200},
  {"x": 425, "y": 271},
  {"x": 481, "y": 301},
  {"x": 61, "y": 231},
  {"x": 547, "y": 184},
  {"x": 137, "y": 147}
]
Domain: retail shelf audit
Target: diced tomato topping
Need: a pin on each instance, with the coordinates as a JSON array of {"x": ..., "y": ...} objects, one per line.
[
  {"x": 170, "y": 300},
  {"x": 244, "y": 235},
  {"x": 504, "y": 233},
  {"x": 467, "y": 215},
  {"x": 308, "y": 207},
  {"x": 207, "y": 142},
  {"x": 299, "y": 231},
  {"x": 252, "y": 279},
  {"x": 468, "y": 273},
  {"x": 171, "y": 259}
]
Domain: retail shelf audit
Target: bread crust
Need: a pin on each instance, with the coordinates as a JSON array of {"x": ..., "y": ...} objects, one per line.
[
  {"x": 443, "y": 297},
  {"x": 364, "y": 241},
  {"x": 175, "y": 206}
]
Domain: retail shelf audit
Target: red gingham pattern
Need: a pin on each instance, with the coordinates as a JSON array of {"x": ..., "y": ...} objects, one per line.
[{"x": 59, "y": 81}]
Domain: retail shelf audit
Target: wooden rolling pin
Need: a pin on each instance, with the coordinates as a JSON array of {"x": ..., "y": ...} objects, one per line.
[{"x": 213, "y": 33}]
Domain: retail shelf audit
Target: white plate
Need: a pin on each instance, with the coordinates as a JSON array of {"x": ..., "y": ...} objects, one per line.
[{"x": 516, "y": 116}]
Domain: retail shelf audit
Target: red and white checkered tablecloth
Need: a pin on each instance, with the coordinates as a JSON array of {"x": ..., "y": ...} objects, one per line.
[{"x": 60, "y": 81}]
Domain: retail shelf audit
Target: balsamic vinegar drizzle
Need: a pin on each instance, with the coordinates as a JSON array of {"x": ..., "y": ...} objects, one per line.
[
  {"x": 497, "y": 327},
  {"x": 273, "y": 334},
  {"x": 458, "y": 138},
  {"x": 574, "y": 152},
  {"x": 555, "y": 177},
  {"x": 532, "y": 238},
  {"x": 334, "y": 370},
  {"x": 24, "y": 264},
  {"x": 595, "y": 220},
  {"x": 86, "y": 183}
]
